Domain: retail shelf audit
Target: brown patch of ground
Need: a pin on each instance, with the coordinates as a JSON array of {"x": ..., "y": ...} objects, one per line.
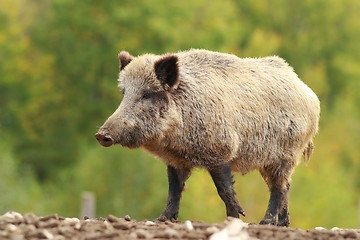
[{"x": 15, "y": 226}]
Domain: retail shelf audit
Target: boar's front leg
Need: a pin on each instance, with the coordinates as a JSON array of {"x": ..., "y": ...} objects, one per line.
[
  {"x": 223, "y": 180},
  {"x": 176, "y": 178}
]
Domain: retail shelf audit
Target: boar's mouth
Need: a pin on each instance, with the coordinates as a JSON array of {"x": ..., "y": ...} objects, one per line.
[{"x": 129, "y": 139}]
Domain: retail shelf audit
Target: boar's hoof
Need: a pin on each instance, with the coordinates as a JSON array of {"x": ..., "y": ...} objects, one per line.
[
  {"x": 104, "y": 140},
  {"x": 269, "y": 220},
  {"x": 162, "y": 218},
  {"x": 167, "y": 217}
]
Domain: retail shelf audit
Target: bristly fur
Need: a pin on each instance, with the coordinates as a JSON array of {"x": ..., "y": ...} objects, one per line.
[{"x": 218, "y": 111}]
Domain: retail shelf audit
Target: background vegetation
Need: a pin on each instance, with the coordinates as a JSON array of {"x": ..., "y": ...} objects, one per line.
[{"x": 58, "y": 72}]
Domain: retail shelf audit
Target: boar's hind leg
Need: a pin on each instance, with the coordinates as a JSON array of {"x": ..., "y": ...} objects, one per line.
[
  {"x": 176, "y": 178},
  {"x": 277, "y": 179},
  {"x": 223, "y": 180},
  {"x": 284, "y": 212}
]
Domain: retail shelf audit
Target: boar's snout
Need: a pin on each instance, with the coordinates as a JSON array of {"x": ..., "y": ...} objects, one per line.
[{"x": 104, "y": 138}]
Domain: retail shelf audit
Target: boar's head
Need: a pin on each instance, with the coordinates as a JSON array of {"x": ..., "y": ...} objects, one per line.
[{"x": 147, "y": 111}]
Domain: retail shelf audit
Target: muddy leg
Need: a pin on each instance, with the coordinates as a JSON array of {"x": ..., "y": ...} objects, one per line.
[
  {"x": 271, "y": 216},
  {"x": 223, "y": 180},
  {"x": 277, "y": 179},
  {"x": 284, "y": 218},
  {"x": 176, "y": 179}
]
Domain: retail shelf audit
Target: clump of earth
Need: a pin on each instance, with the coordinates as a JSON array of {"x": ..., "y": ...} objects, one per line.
[{"x": 15, "y": 226}]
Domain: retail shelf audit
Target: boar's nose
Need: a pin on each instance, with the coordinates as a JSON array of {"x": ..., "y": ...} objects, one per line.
[{"x": 104, "y": 139}]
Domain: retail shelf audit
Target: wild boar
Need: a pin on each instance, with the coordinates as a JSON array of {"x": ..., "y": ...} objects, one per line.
[{"x": 216, "y": 111}]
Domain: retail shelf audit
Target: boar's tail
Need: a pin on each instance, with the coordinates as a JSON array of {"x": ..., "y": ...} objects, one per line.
[{"x": 308, "y": 151}]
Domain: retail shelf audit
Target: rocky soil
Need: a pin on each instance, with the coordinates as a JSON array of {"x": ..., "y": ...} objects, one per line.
[{"x": 16, "y": 226}]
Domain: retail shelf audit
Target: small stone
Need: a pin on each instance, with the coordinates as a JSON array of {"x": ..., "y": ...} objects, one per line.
[
  {"x": 235, "y": 226},
  {"x": 149, "y": 223},
  {"x": 121, "y": 226},
  {"x": 236, "y": 229},
  {"x": 39, "y": 234},
  {"x": 188, "y": 225},
  {"x": 127, "y": 218},
  {"x": 212, "y": 229},
  {"x": 320, "y": 228},
  {"x": 71, "y": 221},
  {"x": 171, "y": 233},
  {"x": 350, "y": 234},
  {"x": 11, "y": 227},
  {"x": 50, "y": 217},
  {"x": 30, "y": 218},
  {"x": 74, "y": 222},
  {"x": 50, "y": 224},
  {"x": 13, "y": 215},
  {"x": 222, "y": 235},
  {"x": 167, "y": 233},
  {"x": 47, "y": 234},
  {"x": 108, "y": 225},
  {"x": 77, "y": 225},
  {"x": 141, "y": 233},
  {"x": 64, "y": 231},
  {"x": 335, "y": 229},
  {"x": 29, "y": 228},
  {"x": 112, "y": 219}
]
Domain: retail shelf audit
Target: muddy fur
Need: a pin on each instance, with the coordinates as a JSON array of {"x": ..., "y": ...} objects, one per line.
[{"x": 206, "y": 109}]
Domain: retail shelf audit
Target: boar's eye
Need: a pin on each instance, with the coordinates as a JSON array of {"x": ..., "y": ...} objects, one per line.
[{"x": 146, "y": 95}]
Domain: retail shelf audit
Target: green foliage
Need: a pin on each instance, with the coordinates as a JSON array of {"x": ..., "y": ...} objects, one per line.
[
  {"x": 58, "y": 70},
  {"x": 20, "y": 189}
]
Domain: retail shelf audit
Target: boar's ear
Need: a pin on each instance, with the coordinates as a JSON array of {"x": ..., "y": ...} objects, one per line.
[
  {"x": 167, "y": 70},
  {"x": 124, "y": 59}
]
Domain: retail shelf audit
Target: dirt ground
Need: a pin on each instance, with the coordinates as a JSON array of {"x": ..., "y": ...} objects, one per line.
[{"x": 16, "y": 226}]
